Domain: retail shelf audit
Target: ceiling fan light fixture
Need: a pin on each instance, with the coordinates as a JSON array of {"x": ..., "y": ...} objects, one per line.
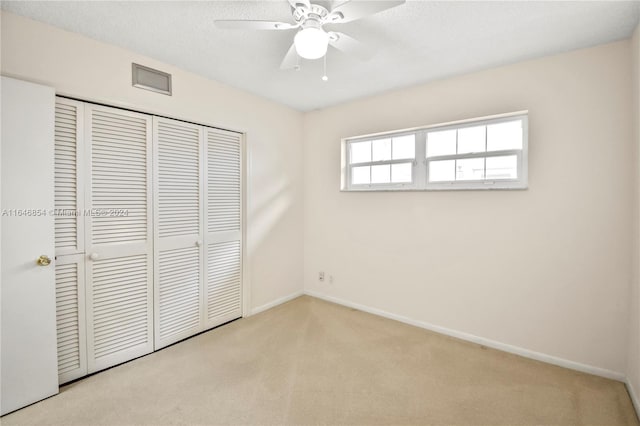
[{"x": 311, "y": 43}]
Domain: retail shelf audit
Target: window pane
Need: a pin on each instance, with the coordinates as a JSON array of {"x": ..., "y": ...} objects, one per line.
[
  {"x": 361, "y": 175},
  {"x": 470, "y": 169},
  {"x": 404, "y": 147},
  {"x": 381, "y": 150},
  {"x": 504, "y": 136},
  {"x": 401, "y": 173},
  {"x": 505, "y": 167},
  {"x": 442, "y": 171},
  {"x": 441, "y": 143},
  {"x": 380, "y": 174},
  {"x": 360, "y": 152},
  {"x": 471, "y": 139}
]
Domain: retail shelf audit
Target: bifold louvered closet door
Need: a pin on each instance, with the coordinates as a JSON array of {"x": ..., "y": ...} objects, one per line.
[
  {"x": 69, "y": 239},
  {"x": 179, "y": 221},
  {"x": 148, "y": 233},
  {"x": 198, "y": 181},
  {"x": 119, "y": 235},
  {"x": 223, "y": 239}
]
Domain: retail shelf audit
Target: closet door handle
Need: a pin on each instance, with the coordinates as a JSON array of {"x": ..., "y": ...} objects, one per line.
[
  {"x": 94, "y": 256},
  {"x": 198, "y": 243}
]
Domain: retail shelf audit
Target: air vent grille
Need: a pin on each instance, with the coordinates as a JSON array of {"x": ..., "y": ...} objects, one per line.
[{"x": 150, "y": 79}]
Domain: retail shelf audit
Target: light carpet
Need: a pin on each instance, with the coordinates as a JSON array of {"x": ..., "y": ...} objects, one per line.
[{"x": 313, "y": 362}]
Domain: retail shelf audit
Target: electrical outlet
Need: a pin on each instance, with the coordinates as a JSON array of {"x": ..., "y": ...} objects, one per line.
[
  {"x": 330, "y": 279},
  {"x": 321, "y": 276}
]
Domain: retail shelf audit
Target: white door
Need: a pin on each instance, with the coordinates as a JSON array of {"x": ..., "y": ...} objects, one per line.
[
  {"x": 118, "y": 236},
  {"x": 223, "y": 238},
  {"x": 28, "y": 369},
  {"x": 178, "y": 172}
]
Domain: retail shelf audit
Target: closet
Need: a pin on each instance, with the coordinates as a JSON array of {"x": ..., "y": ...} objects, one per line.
[{"x": 148, "y": 233}]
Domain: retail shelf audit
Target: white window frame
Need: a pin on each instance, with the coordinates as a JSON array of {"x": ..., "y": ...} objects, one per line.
[
  {"x": 420, "y": 168},
  {"x": 381, "y": 186}
]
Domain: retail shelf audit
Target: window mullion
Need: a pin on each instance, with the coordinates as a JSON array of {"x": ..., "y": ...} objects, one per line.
[
  {"x": 484, "y": 174},
  {"x": 347, "y": 164},
  {"x": 486, "y": 145},
  {"x": 420, "y": 160},
  {"x": 475, "y": 155},
  {"x": 382, "y": 163},
  {"x": 391, "y": 138},
  {"x": 370, "y": 166}
]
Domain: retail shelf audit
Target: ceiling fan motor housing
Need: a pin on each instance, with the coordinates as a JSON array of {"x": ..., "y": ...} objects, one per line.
[{"x": 302, "y": 14}]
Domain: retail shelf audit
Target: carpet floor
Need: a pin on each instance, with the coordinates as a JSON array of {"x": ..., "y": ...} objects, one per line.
[{"x": 313, "y": 362}]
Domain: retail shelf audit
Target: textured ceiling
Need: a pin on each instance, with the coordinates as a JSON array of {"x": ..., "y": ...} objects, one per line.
[{"x": 415, "y": 42}]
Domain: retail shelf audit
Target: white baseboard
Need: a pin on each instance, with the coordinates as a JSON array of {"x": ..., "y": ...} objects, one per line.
[
  {"x": 276, "y": 302},
  {"x": 550, "y": 359},
  {"x": 634, "y": 396}
]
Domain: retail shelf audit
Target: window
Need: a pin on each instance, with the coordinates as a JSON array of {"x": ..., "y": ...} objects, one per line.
[
  {"x": 487, "y": 153},
  {"x": 385, "y": 162}
]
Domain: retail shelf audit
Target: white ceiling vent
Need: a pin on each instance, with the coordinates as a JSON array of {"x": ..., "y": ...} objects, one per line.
[{"x": 150, "y": 79}]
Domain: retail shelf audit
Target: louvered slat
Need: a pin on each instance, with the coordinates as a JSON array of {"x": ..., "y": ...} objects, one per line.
[
  {"x": 70, "y": 317},
  {"x": 178, "y": 151},
  {"x": 66, "y": 185},
  {"x": 223, "y": 180},
  {"x": 223, "y": 281},
  {"x": 68, "y": 325},
  {"x": 179, "y": 287},
  {"x": 119, "y": 176},
  {"x": 120, "y": 308}
]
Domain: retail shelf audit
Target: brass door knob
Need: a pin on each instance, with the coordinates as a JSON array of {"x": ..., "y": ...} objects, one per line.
[{"x": 44, "y": 260}]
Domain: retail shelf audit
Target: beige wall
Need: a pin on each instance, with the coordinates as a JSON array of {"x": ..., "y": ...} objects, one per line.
[
  {"x": 546, "y": 269},
  {"x": 633, "y": 360},
  {"x": 84, "y": 68}
]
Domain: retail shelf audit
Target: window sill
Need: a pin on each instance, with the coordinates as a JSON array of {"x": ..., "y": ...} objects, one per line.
[{"x": 441, "y": 188}]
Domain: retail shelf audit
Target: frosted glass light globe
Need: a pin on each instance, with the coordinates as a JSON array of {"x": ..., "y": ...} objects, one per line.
[{"x": 311, "y": 43}]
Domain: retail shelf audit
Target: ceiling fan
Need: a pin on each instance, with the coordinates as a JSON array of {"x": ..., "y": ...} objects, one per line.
[{"x": 312, "y": 40}]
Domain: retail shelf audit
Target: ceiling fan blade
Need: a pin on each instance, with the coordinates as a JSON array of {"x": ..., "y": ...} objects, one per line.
[
  {"x": 350, "y": 45},
  {"x": 305, "y": 3},
  {"x": 254, "y": 25},
  {"x": 290, "y": 60},
  {"x": 356, "y": 9}
]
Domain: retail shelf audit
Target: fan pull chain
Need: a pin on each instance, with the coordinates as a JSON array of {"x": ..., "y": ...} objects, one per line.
[{"x": 324, "y": 77}]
